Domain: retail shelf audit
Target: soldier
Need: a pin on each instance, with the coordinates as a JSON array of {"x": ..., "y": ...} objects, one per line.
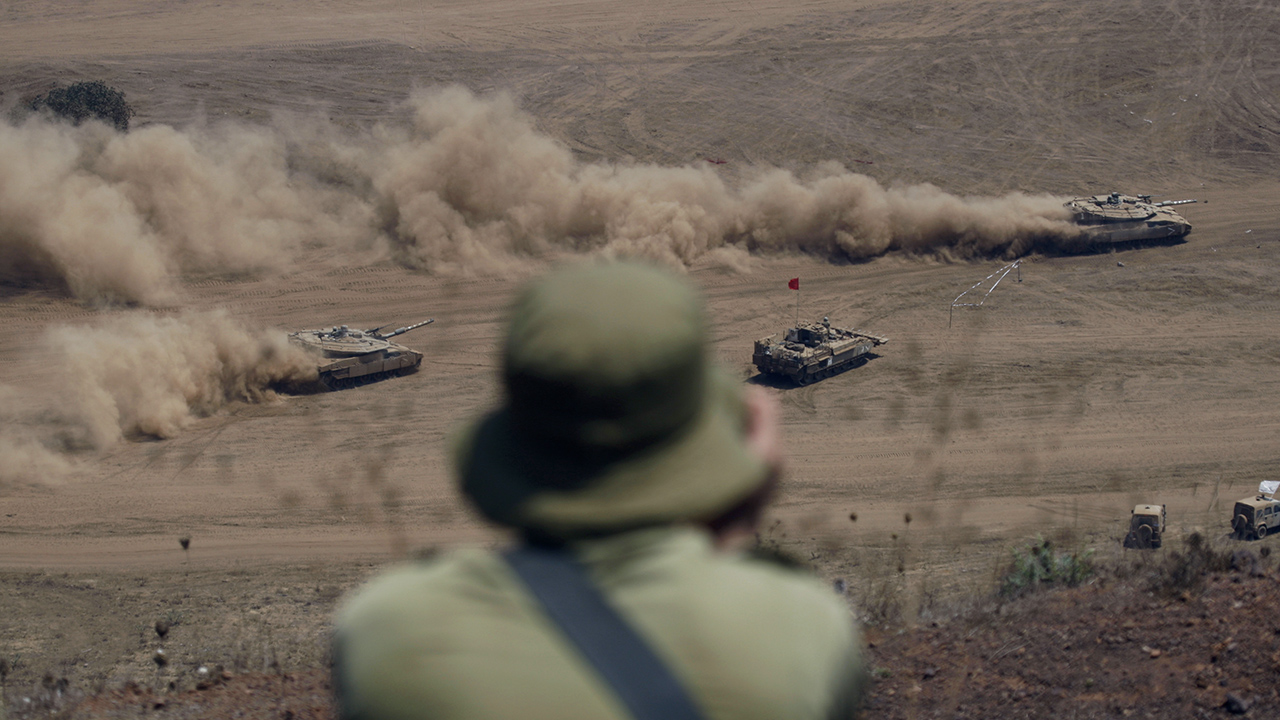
[{"x": 630, "y": 467}]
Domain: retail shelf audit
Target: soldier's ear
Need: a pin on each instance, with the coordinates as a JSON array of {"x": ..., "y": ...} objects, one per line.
[{"x": 763, "y": 426}]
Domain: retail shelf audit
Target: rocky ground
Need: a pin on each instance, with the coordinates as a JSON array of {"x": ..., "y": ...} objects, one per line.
[{"x": 1183, "y": 634}]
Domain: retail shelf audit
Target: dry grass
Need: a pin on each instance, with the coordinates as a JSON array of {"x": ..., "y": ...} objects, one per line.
[{"x": 70, "y": 636}]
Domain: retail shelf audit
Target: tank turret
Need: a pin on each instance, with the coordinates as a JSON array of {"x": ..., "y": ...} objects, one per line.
[
  {"x": 346, "y": 358},
  {"x": 812, "y": 351}
]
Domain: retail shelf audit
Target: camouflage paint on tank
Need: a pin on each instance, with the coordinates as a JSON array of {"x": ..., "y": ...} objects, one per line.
[{"x": 812, "y": 351}]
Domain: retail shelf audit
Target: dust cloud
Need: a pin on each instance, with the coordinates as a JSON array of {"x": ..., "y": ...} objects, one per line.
[
  {"x": 146, "y": 375},
  {"x": 469, "y": 186},
  {"x": 116, "y": 217},
  {"x": 474, "y": 185},
  {"x": 25, "y": 461},
  {"x": 26, "y": 458}
]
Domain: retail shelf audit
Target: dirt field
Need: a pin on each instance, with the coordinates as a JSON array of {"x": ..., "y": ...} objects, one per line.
[{"x": 274, "y": 177}]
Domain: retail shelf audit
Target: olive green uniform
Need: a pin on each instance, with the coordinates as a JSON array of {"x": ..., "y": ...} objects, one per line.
[{"x": 461, "y": 638}]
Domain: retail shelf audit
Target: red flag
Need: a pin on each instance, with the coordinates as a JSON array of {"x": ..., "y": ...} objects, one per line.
[{"x": 794, "y": 283}]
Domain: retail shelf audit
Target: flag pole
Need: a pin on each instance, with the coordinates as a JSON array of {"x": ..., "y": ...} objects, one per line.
[{"x": 794, "y": 284}]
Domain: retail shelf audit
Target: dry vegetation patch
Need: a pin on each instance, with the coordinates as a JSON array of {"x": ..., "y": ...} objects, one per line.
[
  {"x": 1180, "y": 632},
  {"x": 1107, "y": 649}
]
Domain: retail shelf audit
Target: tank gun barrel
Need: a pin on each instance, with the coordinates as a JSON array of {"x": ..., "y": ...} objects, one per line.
[
  {"x": 1167, "y": 203},
  {"x": 403, "y": 330},
  {"x": 877, "y": 339}
]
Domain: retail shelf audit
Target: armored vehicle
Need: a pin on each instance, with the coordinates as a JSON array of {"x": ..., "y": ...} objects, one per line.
[
  {"x": 1253, "y": 517},
  {"x": 347, "y": 357},
  {"x": 1146, "y": 527},
  {"x": 812, "y": 351},
  {"x": 1116, "y": 218}
]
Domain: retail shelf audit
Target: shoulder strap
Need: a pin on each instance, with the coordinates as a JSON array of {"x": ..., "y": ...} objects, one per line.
[{"x": 644, "y": 684}]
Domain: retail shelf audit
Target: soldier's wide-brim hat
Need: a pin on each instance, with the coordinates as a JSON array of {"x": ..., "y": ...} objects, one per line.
[{"x": 614, "y": 416}]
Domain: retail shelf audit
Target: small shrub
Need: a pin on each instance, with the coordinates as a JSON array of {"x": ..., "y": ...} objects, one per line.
[
  {"x": 1037, "y": 564},
  {"x": 84, "y": 100},
  {"x": 882, "y": 597},
  {"x": 1185, "y": 570}
]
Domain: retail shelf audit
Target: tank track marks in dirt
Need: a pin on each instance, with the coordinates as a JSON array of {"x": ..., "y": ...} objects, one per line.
[
  {"x": 1116, "y": 219},
  {"x": 813, "y": 351},
  {"x": 349, "y": 358}
]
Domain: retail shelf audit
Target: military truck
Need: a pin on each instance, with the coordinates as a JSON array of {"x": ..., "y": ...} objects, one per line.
[
  {"x": 812, "y": 351},
  {"x": 1146, "y": 527},
  {"x": 1254, "y": 517}
]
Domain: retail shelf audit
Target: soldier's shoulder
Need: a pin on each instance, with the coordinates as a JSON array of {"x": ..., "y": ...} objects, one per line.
[
  {"x": 779, "y": 585},
  {"x": 417, "y": 585}
]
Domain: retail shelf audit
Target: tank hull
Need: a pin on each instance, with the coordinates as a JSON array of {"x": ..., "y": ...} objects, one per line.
[
  {"x": 348, "y": 372},
  {"x": 813, "y": 351}
]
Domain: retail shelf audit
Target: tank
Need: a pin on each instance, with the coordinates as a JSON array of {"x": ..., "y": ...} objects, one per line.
[
  {"x": 347, "y": 358},
  {"x": 1116, "y": 218},
  {"x": 812, "y": 351}
]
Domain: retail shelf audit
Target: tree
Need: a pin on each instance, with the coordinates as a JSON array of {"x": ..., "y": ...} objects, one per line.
[{"x": 84, "y": 100}]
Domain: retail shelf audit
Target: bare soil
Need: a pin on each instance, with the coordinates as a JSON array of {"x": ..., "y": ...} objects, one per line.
[{"x": 1084, "y": 384}]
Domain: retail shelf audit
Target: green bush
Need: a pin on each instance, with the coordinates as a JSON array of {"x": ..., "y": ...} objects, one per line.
[
  {"x": 1037, "y": 564},
  {"x": 84, "y": 100}
]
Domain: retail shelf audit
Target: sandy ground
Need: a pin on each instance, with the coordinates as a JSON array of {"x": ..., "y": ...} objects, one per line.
[{"x": 1084, "y": 384}]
